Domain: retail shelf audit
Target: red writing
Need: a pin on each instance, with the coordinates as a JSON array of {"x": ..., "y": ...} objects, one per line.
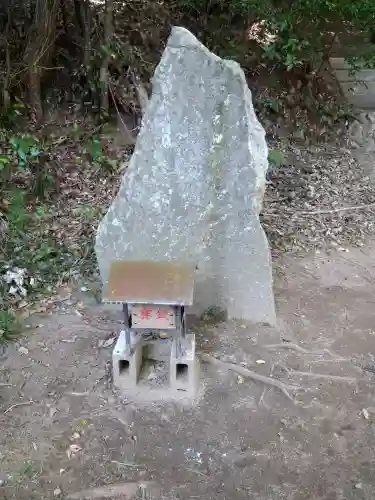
[{"x": 146, "y": 313}]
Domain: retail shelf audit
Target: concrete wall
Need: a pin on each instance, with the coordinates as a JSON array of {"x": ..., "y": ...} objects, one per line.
[{"x": 359, "y": 89}]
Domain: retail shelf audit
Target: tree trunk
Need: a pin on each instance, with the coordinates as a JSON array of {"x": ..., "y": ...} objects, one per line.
[
  {"x": 40, "y": 43},
  {"x": 7, "y": 76},
  {"x": 34, "y": 94},
  {"x": 108, "y": 32},
  {"x": 86, "y": 14}
]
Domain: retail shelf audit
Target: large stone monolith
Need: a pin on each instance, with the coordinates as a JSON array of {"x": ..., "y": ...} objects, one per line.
[{"x": 195, "y": 183}]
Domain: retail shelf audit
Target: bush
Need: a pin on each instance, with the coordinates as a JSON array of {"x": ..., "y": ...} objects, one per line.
[{"x": 295, "y": 33}]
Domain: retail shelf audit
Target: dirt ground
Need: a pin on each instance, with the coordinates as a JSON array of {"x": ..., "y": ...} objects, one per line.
[{"x": 64, "y": 429}]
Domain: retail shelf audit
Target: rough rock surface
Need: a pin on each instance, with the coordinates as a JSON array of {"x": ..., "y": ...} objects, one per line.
[{"x": 195, "y": 183}]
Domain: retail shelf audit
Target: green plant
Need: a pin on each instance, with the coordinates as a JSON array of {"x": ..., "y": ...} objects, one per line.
[
  {"x": 25, "y": 149},
  {"x": 17, "y": 214},
  {"x": 276, "y": 158},
  {"x": 10, "y": 327},
  {"x": 98, "y": 157}
]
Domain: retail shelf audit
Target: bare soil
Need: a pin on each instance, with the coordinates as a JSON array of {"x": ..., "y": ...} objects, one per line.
[{"x": 64, "y": 429}]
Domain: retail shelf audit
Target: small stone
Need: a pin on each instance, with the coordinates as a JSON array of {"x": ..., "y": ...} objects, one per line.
[
  {"x": 240, "y": 379},
  {"x": 23, "y": 350},
  {"x": 84, "y": 289},
  {"x": 358, "y": 486},
  {"x": 57, "y": 492},
  {"x": 308, "y": 169},
  {"x": 365, "y": 414},
  {"x": 109, "y": 342},
  {"x": 260, "y": 362}
]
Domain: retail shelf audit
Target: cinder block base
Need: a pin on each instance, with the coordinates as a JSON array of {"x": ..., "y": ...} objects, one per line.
[
  {"x": 184, "y": 366},
  {"x": 126, "y": 365}
]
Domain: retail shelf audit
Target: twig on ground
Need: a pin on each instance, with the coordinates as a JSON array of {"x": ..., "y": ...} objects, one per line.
[
  {"x": 262, "y": 401},
  {"x": 16, "y": 405},
  {"x": 335, "y": 210},
  {"x": 126, "y": 464},
  {"x": 250, "y": 374},
  {"x": 79, "y": 394},
  {"x": 197, "y": 472},
  {"x": 322, "y": 211}
]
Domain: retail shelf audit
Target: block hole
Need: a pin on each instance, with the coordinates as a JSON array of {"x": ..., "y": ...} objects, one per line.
[
  {"x": 181, "y": 372},
  {"x": 124, "y": 366}
]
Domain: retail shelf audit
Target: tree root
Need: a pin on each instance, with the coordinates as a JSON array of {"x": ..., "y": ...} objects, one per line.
[
  {"x": 297, "y": 348},
  {"x": 288, "y": 345},
  {"x": 250, "y": 374},
  {"x": 123, "y": 490},
  {"x": 338, "y": 378}
]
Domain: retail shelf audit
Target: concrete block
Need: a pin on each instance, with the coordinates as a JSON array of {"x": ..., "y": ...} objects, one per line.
[
  {"x": 126, "y": 364},
  {"x": 184, "y": 368},
  {"x": 157, "y": 350}
]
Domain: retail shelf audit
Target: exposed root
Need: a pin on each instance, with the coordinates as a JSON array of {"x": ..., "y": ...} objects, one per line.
[
  {"x": 288, "y": 345},
  {"x": 123, "y": 490},
  {"x": 297, "y": 348},
  {"x": 250, "y": 374},
  {"x": 326, "y": 376}
]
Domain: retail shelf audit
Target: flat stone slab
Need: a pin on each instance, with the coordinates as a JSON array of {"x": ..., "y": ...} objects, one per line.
[{"x": 194, "y": 186}]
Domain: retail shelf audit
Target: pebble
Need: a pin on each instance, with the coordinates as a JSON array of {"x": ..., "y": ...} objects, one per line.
[
  {"x": 365, "y": 414},
  {"x": 23, "y": 350},
  {"x": 57, "y": 492}
]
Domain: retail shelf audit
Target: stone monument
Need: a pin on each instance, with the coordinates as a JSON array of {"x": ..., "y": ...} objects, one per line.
[{"x": 194, "y": 186}]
